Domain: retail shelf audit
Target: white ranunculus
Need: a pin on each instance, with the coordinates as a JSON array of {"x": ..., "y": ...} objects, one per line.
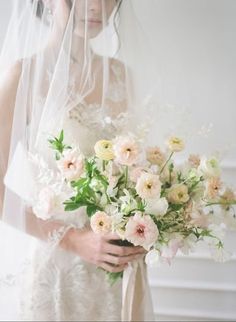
[
  {"x": 152, "y": 259},
  {"x": 209, "y": 167},
  {"x": 157, "y": 207}
]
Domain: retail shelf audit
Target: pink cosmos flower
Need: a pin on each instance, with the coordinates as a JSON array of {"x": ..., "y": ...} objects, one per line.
[
  {"x": 148, "y": 186},
  {"x": 126, "y": 151},
  {"x": 136, "y": 173},
  {"x": 141, "y": 231},
  {"x": 168, "y": 252},
  {"x": 71, "y": 164},
  {"x": 101, "y": 223}
]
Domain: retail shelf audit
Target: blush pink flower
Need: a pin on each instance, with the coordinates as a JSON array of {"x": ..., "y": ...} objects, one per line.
[
  {"x": 213, "y": 187},
  {"x": 148, "y": 186},
  {"x": 126, "y": 151},
  {"x": 71, "y": 164},
  {"x": 101, "y": 223},
  {"x": 169, "y": 251},
  {"x": 45, "y": 203},
  {"x": 141, "y": 231},
  {"x": 199, "y": 219},
  {"x": 136, "y": 173},
  {"x": 194, "y": 160}
]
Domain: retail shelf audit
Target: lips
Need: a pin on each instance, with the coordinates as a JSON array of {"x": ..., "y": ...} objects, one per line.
[{"x": 92, "y": 22}]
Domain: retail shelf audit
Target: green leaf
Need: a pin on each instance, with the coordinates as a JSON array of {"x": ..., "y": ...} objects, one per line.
[
  {"x": 79, "y": 183},
  {"x": 91, "y": 209},
  {"x": 61, "y": 137},
  {"x": 114, "y": 277},
  {"x": 176, "y": 207},
  {"x": 72, "y": 206}
]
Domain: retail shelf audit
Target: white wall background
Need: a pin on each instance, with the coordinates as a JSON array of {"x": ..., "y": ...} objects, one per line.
[{"x": 196, "y": 49}]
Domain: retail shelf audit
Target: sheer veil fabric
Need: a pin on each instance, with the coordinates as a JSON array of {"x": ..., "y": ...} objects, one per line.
[{"x": 79, "y": 65}]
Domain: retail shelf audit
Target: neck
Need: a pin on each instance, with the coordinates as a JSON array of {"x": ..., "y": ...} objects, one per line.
[{"x": 81, "y": 52}]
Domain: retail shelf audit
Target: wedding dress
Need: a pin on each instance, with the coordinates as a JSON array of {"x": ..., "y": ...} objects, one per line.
[{"x": 58, "y": 285}]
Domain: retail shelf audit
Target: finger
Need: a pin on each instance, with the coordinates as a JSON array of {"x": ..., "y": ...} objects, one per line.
[
  {"x": 111, "y": 236},
  {"x": 111, "y": 268}
]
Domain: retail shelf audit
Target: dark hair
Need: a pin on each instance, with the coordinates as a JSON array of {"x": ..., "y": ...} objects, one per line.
[
  {"x": 40, "y": 7},
  {"x": 115, "y": 23}
]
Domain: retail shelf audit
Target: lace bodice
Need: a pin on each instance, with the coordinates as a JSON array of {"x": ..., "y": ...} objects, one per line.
[{"x": 85, "y": 123}]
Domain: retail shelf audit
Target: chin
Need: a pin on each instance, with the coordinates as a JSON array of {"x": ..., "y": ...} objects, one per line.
[{"x": 90, "y": 34}]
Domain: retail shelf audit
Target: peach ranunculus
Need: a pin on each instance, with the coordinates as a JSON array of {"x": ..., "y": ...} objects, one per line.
[
  {"x": 104, "y": 150},
  {"x": 155, "y": 156},
  {"x": 148, "y": 186},
  {"x": 141, "y": 231},
  {"x": 175, "y": 144},
  {"x": 126, "y": 151},
  {"x": 199, "y": 219},
  {"x": 71, "y": 164},
  {"x": 213, "y": 186},
  {"x": 228, "y": 196},
  {"x": 178, "y": 194},
  {"x": 101, "y": 223},
  {"x": 194, "y": 160}
]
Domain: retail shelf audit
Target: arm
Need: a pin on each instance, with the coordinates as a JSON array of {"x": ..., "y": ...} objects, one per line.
[{"x": 8, "y": 91}]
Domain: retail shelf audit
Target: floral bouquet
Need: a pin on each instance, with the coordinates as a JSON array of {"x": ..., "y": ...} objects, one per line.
[{"x": 145, "y": 197}]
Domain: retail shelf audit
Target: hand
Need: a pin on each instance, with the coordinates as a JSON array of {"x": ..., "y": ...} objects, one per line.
[{"x": 96, "y": 249}]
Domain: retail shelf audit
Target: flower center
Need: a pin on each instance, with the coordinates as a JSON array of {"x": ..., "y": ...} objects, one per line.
[
  {"x": 180, "y": 195},
  {"x": 70, "y": 165},
  {"x": 101, "y": 223},
  {"x": 149, "y": 186},
  {"x": 176, "y": 141},
  {"x": 140, "y": 230}
]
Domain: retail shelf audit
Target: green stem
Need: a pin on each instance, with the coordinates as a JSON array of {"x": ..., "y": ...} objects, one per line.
[
  {"x": 162, "y": 169},
  {"x": 103, "y": 165},
  {"x": 126, "y": 175},
  {"x": 224, "y": 203}
]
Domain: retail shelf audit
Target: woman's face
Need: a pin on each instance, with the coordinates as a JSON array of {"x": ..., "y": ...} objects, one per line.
[{"x": 91, "y": 16}]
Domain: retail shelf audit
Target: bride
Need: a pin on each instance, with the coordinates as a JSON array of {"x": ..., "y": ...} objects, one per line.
[{"x": 67, "y": 64}]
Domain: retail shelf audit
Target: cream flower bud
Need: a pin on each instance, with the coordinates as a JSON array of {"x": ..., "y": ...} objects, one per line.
[
  {"x": 175, "y": 144},
  {"x": 155, "y": 156},
  {"x": 104, "y": 150}
]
